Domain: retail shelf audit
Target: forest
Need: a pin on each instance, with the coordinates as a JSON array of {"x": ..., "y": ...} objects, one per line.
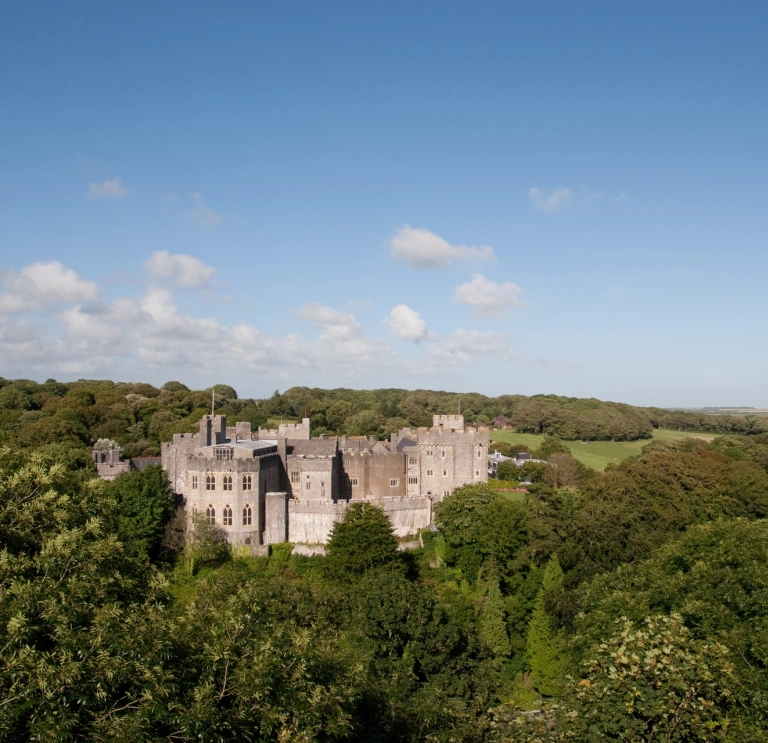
[
  {"x": 139, "y": 416},
  {"x": 630, "y": 604}
]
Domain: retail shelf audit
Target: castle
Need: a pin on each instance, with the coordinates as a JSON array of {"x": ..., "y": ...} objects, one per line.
[{"x": 277, "y": 485}]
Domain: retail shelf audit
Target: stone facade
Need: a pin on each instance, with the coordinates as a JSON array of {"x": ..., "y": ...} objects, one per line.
[
  {"x": 279, "y": 484},
  {"x": 109, "y": 465}
]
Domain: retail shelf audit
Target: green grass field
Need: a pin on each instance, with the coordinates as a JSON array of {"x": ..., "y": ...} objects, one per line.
[{"x": 596, "y": 454}]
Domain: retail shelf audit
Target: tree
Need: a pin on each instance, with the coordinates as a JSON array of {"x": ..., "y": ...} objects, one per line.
[
  {"x": 206, "y": 544},
  {"x": 493, "y": 621},
  {"x": 549, "y": 446},
  {"x": 145, "y": 506},
  {"x": 531, "y": 472},
  {"x": 362, "y": 541},
  {"x": 716, "y": 577},
  {"x": 562, "y": 470},
  {"x": 508, "y": 471},
  {"x": 545, "y": 649}
]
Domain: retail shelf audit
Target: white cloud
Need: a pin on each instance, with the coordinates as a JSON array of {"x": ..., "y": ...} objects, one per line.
[
  {"x": 201, "y": 214},
  {"x": 405, "y": 323},
  {"x": 421, "y": 248},
  {"x": 487, "y": 297},
  {"x": 108, "y": 190},
  {"x": 556, "y": 199},
  {"x": 78, "y": 334},
  {"x": 464, "y": 346},
  {"x": 180, "y": 269},
  {"x": 41, "y": 284},
  {"x": 342, "y": 341}
]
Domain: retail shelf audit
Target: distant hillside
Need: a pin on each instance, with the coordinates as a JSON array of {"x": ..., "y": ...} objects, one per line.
[{"x": 139, "y": 416}]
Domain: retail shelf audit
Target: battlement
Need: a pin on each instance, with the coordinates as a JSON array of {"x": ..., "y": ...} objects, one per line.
[
  {"x": 451, "y": 422},
  {"x": 286, "y": 431}
]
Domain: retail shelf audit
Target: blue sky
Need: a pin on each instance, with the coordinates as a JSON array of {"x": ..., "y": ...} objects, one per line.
[{"x": 505, "y": 197}]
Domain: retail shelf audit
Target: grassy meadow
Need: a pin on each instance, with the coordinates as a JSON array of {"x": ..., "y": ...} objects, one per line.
[{"x": 596, "y": 454}]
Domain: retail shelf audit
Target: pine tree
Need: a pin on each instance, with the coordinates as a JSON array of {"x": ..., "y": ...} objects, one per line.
[
  {"x": 545, "y": 649},
  {"x": 493, "y": 624}
]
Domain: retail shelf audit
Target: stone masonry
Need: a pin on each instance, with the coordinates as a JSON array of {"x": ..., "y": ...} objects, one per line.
[{"x": 279, "y": 485}]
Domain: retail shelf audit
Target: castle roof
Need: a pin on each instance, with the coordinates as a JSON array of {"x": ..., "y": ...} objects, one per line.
[{"x": 312, "y": 447}]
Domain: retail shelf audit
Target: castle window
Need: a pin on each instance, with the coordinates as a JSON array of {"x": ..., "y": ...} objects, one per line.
[
  {"x": 430, "y": 473},
  {"x": 227, "y": 516},
  {"x": 479, "y": 453},
  {"x": 309, "y": 484},
  {"x": 394, "y": 483},
  {"x": 346, "y": 463},
  {"x": 413, "y": 460},
  {"x": 413, "y": 480},
  {"x": 477, "y": 473},
  {"x": 353, "y": 481},
  {"x": 295, "y": 477},
  {"x": 210, "y": 482},
  {"x": 447, "y": 492},
  {"x": 445, "y": 473},
  {"x": 194, "y": 482},
  {"x": 247, "y": 516},
  {"x": 442, "y": 453},
  {"x": 227, "y": 482},
  {"x": 247, "y": 540},
  {"x": 225, "y": 452},
  {"x": 246, "y": 482},
  {"x": 210, "y": 515}
]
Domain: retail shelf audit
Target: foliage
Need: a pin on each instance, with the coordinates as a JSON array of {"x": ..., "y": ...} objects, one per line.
[
  {"x": 78, "y": 613},
  {"x": 493, "y": 624},
  {"x": 476, "y": 524},
  {"x": 646, "y": 682},
  {"x": 545, "y": 649},
  {"x": 626, "y": 513},
  {"x": 204, "y": 545},
  {"x": 362, "y": 541},
  {"x": 430, "y": 679},
  {"x": 562, "y": 471},
  {"x": 716, "y": 578},
  {"x": 145, "y": 506}
]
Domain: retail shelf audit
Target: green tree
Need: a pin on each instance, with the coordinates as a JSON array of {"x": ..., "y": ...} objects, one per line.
[
  {"x": 715, "y": 576},
  {"x": 205, "y": 544},
  {"x": 545, "y": 649},
  {"x": 145, "y": 506},
  {"x": 362, "y": 541},
  {"x": 493, "y": 621},
  {"x": 551, "y": 445},
  {"x": 508, "y": 471}
]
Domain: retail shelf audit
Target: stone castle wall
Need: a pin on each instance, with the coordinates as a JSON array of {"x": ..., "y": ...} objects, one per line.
[
  {"x": 300, "y": 486},
  {"x": 297, "y": 431}
]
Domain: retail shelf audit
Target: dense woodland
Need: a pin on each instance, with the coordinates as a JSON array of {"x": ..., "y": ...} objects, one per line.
[
  {"x": 140, "y": 416},
  {"x": 630, "y": 604}
]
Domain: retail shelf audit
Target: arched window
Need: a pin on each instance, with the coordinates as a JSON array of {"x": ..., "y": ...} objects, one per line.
[
  {"x": 227, "y": 482},
  {"x": 210, "y": 482},
  {"x": 194, "y": 482},
  {"x": 247, "y": 540},
  {"x": 227, "y": 516},
  {"x": 246, "y": 482},
  {"x": 247, "y": 517},
  {"x": 210, "y": 515}
]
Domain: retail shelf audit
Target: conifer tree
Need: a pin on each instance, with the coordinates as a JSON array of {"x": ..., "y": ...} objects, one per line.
[
  {"x": 493, "y": 624},
  {"x": 545, "y": 649}
]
